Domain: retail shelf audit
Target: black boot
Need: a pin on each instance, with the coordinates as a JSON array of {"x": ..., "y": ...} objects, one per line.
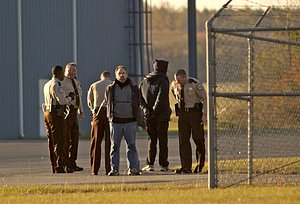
[{"x": 60, "y": 170}]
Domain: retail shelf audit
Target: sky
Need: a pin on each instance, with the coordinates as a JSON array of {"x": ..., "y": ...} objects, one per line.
[{"x": 216, "y": 4}]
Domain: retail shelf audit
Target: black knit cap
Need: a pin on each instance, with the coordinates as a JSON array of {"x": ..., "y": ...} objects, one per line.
[{"x": 160, "y": 65}]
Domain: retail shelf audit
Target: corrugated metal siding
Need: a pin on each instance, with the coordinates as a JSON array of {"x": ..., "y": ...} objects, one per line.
[
  {"x": 47, "y": 40},
  {"x": 102, "y": 42},
  {"x": 102, "y": 36},
  {"x": 9, "y": 106}
]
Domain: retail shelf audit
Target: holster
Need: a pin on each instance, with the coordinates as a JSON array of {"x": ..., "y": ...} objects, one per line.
[
  {"x": 176, "y": 109},
  {"x": 59, "y": 110},
  {"x": 199, "y": 106}
]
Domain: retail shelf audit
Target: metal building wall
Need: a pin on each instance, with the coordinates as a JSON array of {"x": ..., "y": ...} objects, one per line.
[
  {"x": 102, "y": 42},
  {"x": 9, "y": 113},
  {"x": 47, "y": 39}
]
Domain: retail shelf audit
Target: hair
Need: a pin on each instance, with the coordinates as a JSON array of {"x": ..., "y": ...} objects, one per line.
[
  {"x": 180, "y": 72},
  {"x": 105, "y": 74},
  {"x": 121, "y": 67},
  {"x": 71, "y": 64},
  {"x": 56, "y": 70}
]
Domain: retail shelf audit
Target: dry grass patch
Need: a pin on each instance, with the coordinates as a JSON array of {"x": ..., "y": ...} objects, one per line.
[{"x": 148, "y": 194}]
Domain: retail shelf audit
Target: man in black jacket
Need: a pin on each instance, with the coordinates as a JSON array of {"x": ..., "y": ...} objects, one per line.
[{"x": 156, "y": 108}]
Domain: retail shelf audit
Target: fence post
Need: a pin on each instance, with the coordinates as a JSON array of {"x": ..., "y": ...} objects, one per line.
[
  {"x": 210, "y": 108},
  {"x": 211, "y": 100},
  {"x": 251, "y": 102},
  {"x": 250, "y": 110}
]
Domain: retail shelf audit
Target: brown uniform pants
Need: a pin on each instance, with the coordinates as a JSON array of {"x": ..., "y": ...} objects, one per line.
[
  {"x": 100, "y": 130},
  {"x": 72, "y": 141},
  {"x": 56, "y": 132},
  {"x": 158, "y": 130},
  {"x": 190, "y": 122}
]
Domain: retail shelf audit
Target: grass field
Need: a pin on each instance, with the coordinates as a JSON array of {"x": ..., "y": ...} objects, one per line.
[{"x": 149, "y": 194}]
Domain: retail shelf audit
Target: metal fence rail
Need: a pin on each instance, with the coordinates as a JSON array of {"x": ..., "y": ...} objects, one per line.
[{"x": 253, "y": 97}]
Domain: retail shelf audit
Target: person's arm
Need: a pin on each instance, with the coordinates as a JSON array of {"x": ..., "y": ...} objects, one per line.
[
  {"x": 173, "y": 87},
  {"x": 107, "y": 99},
  {"x": 143, "y": 104},
  {"x": 201, "y": 92},
  {"x": 161, "y": 99},
  {"x": 90, "y": 98},
  {"x": 60, "y": 95}
]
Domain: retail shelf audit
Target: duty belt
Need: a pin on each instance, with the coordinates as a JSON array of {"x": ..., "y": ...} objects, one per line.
[
  {"x": 47, "y": 108},
  {"x": 56, "y": 107},
  {"x": 197, "y": 107},
  {"x": 191, "y": 109},
  {"x": 72, "y": 108}
]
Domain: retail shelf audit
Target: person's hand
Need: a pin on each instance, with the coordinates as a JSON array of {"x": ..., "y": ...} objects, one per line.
[
  {"x": 81, "y": 116},
  {"x": 151, "y": 117},
  {"x": 71, "y": 95},
  {"x": 144, "y": 127}
]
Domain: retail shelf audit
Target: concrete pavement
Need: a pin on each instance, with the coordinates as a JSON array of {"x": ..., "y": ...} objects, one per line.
[{"x": 26, "y": 162}]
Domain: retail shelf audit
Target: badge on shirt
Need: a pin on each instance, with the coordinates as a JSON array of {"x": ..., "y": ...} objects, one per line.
[
  {"x": 199, "y": 86},
  {"x": 60, "y": 90}
]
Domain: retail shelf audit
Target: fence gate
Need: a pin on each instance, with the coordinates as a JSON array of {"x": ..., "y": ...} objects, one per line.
[{"x": 253, "y": 82}]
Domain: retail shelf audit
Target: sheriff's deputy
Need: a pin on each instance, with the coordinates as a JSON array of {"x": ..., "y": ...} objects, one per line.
[
  {"x": 72, "y": 85},
  {"x": 55, "y": 106},
  {"x": 191, "y": 110}
]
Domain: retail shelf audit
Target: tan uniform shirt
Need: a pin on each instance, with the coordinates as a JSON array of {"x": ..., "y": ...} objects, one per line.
[
  {"x": 68, "y": 87},
  {"x": 96, "y": 92},
  {"x": 54, "y": 94},
  {"x": 194, "y": 92}
]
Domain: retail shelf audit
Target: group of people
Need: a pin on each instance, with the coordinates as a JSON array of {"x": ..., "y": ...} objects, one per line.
[
  {"x": 118, "y": 107},
  {"x": 62, "y": 104}
]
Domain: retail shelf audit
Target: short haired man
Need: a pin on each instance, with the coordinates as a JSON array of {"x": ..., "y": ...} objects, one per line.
[
  {"x": 54, "y": 118},
  {"x": 72, "y": 85},
  {"x": 122, "y": 98},
  {"x": 191, "y": 110},
  {"x": 100, "y": 125}
]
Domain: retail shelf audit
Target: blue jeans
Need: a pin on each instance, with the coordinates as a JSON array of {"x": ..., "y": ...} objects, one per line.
[{"x": 117, "y": 131}]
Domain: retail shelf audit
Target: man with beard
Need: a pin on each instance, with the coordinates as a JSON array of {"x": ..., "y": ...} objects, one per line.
[{"x": 122, "y": 101}]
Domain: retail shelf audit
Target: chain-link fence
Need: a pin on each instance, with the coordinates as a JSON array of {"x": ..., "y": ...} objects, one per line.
[{"x": 253, "y": 66}]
